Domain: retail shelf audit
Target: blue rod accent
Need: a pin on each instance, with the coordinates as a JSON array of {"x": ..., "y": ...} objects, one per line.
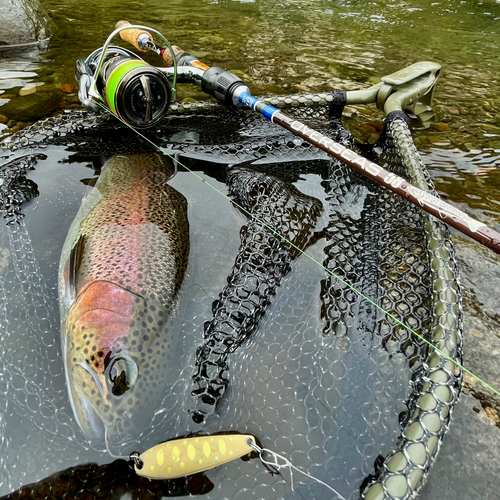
[
  {"x": 253, "y": 103},
  {"x": 248, "y": 100},
  {"x": 268, "y": 112}
]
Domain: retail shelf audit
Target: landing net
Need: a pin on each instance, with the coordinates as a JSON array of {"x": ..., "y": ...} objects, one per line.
[{"x": 316, "y": 372}]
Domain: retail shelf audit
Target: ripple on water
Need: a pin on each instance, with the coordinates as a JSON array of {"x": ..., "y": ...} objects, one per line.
[
  {"x": 16, "y": 73},
  {"x": 471, "y": 179}
]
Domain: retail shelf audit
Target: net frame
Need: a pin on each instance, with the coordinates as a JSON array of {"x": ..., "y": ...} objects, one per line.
[{"x": 436, "y": 385}]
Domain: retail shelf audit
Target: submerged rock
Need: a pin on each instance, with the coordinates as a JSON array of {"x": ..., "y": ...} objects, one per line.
[
  {"x": 32, "y": 106},
  {"x": 67, "y": 88},
  {"x": 30, "y": 88},
  {"x": 23, "y": 22},
  {"x": 440, "y": 126}
]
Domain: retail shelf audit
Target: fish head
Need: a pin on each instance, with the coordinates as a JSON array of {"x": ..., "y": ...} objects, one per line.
[{"x": 115, "y": 348}]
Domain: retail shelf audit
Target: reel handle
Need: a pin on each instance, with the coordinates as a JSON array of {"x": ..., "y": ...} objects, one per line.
[
  {"x": 134, "y": 36},
  {"x": 137, "y": 37}
]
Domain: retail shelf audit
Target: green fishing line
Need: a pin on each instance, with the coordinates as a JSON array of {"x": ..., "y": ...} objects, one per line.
[{"x": 310, "y": 257}]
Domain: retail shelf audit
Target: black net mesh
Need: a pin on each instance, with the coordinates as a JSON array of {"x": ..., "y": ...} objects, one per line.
[
  {"x": 263, "y": 260},
  {"x": 271, "y": 344}
]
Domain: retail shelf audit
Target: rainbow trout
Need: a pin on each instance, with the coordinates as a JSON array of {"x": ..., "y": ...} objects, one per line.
[{"x": 121, "y": 269}]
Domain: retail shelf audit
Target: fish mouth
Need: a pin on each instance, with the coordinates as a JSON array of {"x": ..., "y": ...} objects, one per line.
[
  {"x": 95, "y": 429},
  {"x": 87, "y": 417},
  {"x": 87, "y": 397}
]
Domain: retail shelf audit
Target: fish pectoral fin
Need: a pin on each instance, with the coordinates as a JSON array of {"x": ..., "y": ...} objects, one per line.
[
  {"x": 71, "y": 269},
  {"x": 89, "y": 181}
]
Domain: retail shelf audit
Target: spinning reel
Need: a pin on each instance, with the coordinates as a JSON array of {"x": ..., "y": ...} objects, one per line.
[
  {"x": 133, "y": 90},
  {"x": 141, "y": 94}
]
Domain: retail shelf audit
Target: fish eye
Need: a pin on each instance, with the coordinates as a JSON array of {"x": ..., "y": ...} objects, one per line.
[{"x": 122, "y": 374}]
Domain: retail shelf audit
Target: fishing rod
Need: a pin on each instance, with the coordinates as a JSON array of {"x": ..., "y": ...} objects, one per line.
[
  {"x": 140, "y": 95},
  {"x": 109, "y": 78}
]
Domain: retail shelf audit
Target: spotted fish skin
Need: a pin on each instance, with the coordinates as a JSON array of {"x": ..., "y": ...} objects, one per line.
[{"x": 121, "y": 270}]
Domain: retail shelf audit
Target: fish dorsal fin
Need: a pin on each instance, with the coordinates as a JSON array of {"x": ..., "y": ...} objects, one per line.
[{"x": 71, "y": 270}]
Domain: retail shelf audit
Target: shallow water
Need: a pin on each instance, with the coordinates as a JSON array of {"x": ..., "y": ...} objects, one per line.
[{"x": 342, "y": 44}]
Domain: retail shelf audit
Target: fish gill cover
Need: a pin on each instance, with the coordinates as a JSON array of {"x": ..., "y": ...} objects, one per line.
[{"x": 288, "y": 352}]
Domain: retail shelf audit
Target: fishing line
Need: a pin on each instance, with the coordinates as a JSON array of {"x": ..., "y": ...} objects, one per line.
[
  {"x": 310, "y": 257},
  {"x": 123, "y": 457},
  {"x": 285, "y": 463}
]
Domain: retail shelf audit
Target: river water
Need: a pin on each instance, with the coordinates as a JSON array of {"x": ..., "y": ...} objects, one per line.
[
  {"x": 295, "y": 46},
  {"x": 303, "y": 45}
]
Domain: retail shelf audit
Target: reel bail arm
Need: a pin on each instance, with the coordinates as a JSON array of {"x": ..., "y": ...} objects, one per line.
[{"x": 133, "y": 90}]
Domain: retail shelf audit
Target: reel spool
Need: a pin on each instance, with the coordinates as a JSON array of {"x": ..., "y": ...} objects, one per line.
[{"x": 133, "y": 90}]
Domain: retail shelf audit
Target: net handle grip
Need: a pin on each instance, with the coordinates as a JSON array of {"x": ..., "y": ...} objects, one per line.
[{"x": 132, "y": 35}]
